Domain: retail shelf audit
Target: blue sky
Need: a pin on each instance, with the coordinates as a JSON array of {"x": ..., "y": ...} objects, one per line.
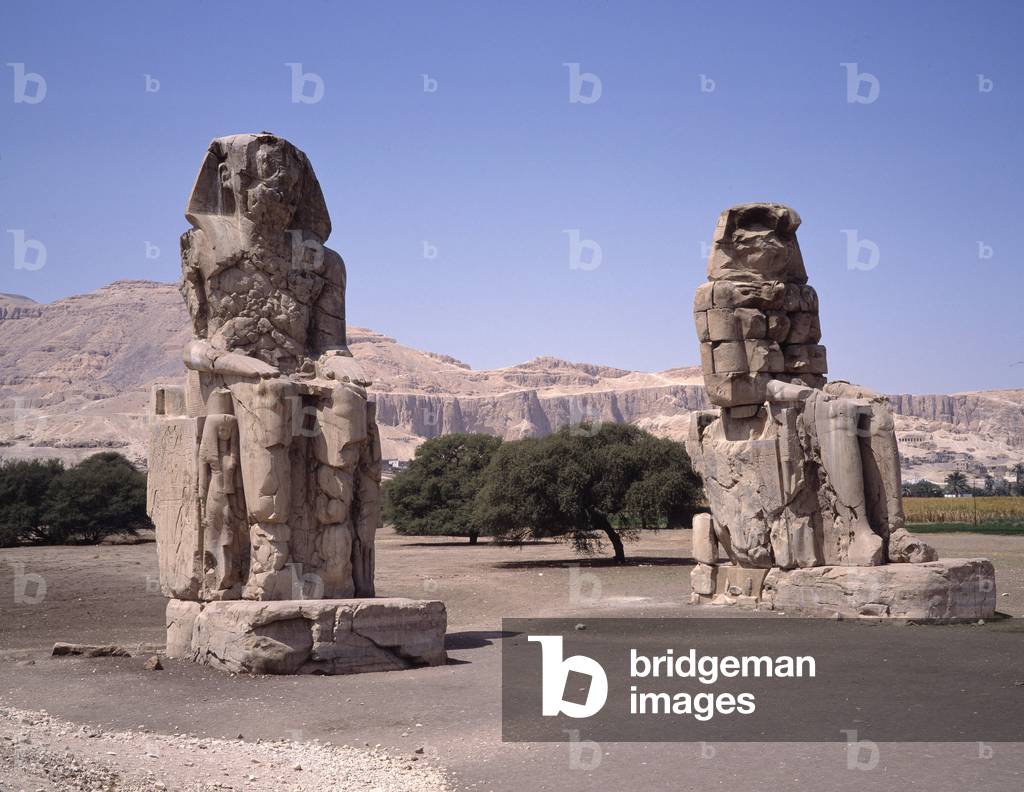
[{"x": 491, "y": 168}]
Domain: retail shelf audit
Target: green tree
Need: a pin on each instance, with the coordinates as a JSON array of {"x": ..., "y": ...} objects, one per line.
[
  {"x": 100, "y": 496},
  {"x": 434, "y": 495},
  {"x": 23, "y": 487},
  {"x": 922, "y": 489},
  {"x": 1018, "y": 478},
  {"x": 585, "y": 483},
  {"x": 956, "y": 483}
]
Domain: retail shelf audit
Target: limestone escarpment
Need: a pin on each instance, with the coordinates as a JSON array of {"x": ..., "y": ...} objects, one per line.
[{"x": 71, "y": 382}]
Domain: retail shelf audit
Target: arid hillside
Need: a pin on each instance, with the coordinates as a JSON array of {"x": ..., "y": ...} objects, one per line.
[{"x": 75, "y": 375}]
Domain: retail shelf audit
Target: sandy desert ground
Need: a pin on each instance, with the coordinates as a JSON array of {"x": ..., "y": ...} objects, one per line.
[{"x": 108, "y": 723}]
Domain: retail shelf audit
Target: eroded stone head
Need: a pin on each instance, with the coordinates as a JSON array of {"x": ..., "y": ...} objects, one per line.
[
  {"x": 263, "y": 179},
  {"x": 756, "y": 318},
  {"x": 256, "y": 275},
  {"x": 756, "y": 242}
]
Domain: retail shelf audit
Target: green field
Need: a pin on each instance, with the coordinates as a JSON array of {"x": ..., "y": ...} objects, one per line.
[
  {"x": 963, "y": 510},
  {"x": 998, "y": 527}
]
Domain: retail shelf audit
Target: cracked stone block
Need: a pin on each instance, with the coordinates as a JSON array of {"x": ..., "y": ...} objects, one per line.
[
  {"x": 753, "y": 323},
  {"x": 805, "y": 328},
  {"x": 808, "y": 299},
  {"x": 181, "y": 619},
  {"x": 702, "y": 298},
  {"x": 723, "y": 325},
  {"x": 778, "y": 326},
  {"x": 707, "y": 358},
  {"x": 333, "y": 636},
  {"x": 805, "y": 359},
  {"x": 172, "y": 502},
  {"x": 764, "y": 356},
  {"x": 734, "y": 294},
  {"x": 730, "y": 356},
  {"x": 726, "y": 584},
  {"x": 728, "y": 390},
  {"x": 702, "y": 579},
  {"x": 704, "y": 541},
  {"x": 700, "y": 321},
  {"x": 952, "y": 590}
]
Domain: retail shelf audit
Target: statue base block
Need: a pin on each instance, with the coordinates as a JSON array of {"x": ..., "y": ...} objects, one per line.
[
  {"x": 952, "y": 590},
  {"x": 337, "y": 636}
]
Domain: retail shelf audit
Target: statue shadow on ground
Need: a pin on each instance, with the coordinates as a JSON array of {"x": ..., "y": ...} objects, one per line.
[
  {"x": 473, "y": 639},
  {"x": 468, "y": 544},
  {"x": 557, "y": 563}
]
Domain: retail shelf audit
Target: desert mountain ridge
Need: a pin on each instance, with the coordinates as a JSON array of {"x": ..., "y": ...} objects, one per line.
[{"x": 75, "y": 376}]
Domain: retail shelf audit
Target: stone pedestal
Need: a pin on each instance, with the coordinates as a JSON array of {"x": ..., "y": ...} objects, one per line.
[
  {"x": 333, "y": 636},
  {"x": 952, "y": 590}
]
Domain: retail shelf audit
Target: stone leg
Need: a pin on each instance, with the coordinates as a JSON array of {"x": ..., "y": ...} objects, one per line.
[
  {"x": 836, "y": 423},
  {"x": 334, "y": 536},
  {"x": 338, "y": 448},
  {"x": 335, "y": 547},
  {"x": 883, "y": 488},
  {"x": 270, "y": 576},
  {"x": 220, "y": 562},
  {"x": 264, "y": 411},
  {"x": 368, "y": 518}
]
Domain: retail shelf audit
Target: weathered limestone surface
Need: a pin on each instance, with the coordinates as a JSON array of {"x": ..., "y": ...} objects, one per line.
[
  {"x": 181, "y": 619},
  {"x": 265, "y": 467},
  {"x": 332, "y": 636},
  {"x": 799, "y": 473},
  {"x": 173, "y": 501},
  {"x": 957, "y": 589}
]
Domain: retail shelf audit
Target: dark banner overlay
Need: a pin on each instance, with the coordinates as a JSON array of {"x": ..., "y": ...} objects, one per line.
[{"x": 760, "y": 680}]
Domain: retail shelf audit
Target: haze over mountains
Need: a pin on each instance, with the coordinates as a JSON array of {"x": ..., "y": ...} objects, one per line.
[{"x": 75, "y": 377}]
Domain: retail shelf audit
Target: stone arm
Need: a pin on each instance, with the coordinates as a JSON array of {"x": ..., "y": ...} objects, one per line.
[
  {"x": 200, "y": 355},
  {"x": 779, "y": 391}
]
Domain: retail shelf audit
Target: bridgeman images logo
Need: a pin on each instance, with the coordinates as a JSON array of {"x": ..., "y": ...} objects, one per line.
[{"x": 555, "y": 673}]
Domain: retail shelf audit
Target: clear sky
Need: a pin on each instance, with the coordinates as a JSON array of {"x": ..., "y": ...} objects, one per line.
[{"x": 452, "y": 193}]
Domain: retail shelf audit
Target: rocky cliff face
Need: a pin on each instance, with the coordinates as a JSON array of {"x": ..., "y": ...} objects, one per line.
[
  {"x": 989, "y": 412},
  {"x": 17, "y": 306},
  {"x": 75, "y": 375}
]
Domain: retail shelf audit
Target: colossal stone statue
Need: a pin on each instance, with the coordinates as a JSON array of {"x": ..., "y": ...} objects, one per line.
[
  {"x": 265, "y": 472},
  {"x": 799, "y": 473}
]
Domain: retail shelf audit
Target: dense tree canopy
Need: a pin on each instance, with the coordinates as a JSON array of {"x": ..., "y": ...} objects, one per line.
[
  {"x": 23, "y": 487},
  {"x": 585, "y": 483},
  {"x": 42, "y": 502},
  {"x": 434, "y": 496},
  {"x": 922, "y": 489}
]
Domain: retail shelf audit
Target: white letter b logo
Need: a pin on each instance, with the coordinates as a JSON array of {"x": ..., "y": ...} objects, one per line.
[{"x": 555, "y": 673}]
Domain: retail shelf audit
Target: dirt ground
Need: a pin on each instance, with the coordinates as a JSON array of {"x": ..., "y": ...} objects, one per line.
[{"x": 108, "y": 723}]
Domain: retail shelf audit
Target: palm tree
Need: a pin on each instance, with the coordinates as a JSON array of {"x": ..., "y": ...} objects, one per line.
[{"x": 956, "y": 483}]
